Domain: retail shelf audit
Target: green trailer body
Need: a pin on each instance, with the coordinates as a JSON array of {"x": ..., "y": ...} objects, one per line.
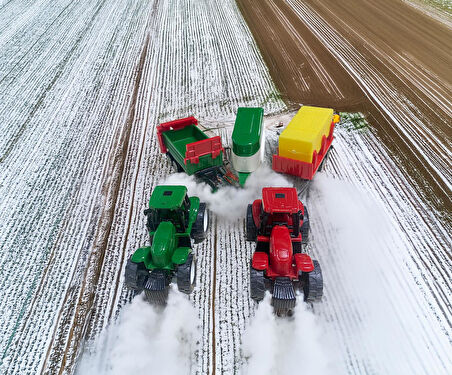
[
  {"x": 177, "y": 141},
  {"x": 194, "y": 152}
]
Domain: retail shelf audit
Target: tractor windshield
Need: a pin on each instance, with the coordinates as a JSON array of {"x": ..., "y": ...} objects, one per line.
[
  {"x": 286, "y": 219},
  {"x": 179, "y": 218}
]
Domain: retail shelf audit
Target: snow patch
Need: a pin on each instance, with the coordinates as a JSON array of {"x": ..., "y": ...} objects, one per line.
[
  {"x": 273, "y": 345},
  {"x": 365, "y": 272},
  {"x": 229, "y": 202},
  {"x": 146, "y": 339}
]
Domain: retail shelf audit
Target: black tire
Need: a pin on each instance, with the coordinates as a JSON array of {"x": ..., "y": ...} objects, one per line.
[
  {"x": 136, "y": 275},
  {"x": 313, "y": 284},
  {"x": 251, "y": 229},
  {"x": 186, "y": 275},
  {"x": 201, "y": 225},
  {"x": 325, "y": 158},
  {"x": 306, "y": 227},
  {"x": 257, "y": 284},
  {"x": 174, "y": 163}
]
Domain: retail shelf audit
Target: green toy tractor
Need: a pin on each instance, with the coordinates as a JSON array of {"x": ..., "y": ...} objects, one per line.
[{"x": 173, "y": 221}]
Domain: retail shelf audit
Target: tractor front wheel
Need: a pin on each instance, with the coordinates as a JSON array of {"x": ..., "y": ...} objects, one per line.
[
  {"x": 257, "y": 283},
  {"x": 200, "y": 226},
  {"x": 186, "y": 275},
  {"x": 313, "y": 284},
  {"x": 251, "y": 229}
]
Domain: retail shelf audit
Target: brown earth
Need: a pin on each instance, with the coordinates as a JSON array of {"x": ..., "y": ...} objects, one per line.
[{"x": 399, "y": 53}]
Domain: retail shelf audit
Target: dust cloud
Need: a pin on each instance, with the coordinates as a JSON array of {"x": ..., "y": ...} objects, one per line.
[
  {"x": 146, "y": 340},
  {"x": 229, "y": 202},
  {"x": 279, "y": 346}
]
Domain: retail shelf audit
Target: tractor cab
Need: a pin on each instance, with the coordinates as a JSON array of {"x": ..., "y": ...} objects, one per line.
[
  {"x": 168, "y": 203},
  {"x": 280, "y": 206}
]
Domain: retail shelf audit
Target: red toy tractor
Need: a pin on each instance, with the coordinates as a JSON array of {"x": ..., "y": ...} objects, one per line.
[{"x": 279, "y": 224}]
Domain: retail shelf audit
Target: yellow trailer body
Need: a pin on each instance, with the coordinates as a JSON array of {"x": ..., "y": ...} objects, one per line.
[{"x": 304, "y": 133}]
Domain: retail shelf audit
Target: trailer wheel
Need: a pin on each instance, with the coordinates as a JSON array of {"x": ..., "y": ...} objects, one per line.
[
  {"x": 306, "y": 227},
  {"x": 186, "y": 275},
  {"x": 257, "y": 283},
  {"x": 136, "y": 275},
  {"x": 313, "y": 284},
  {"x": 174, "y": 163},
  {"x": 200, "y": 226},
  {"x": 251, "y": 229},
  {"x": 325, "y": 158}
]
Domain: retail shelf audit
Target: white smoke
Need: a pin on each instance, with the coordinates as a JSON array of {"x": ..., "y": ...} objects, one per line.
[
  {"x": 365, "y": 260},
  {"x": 146, "y": 340},
  {"x": 229, "y": 202},
  {"x": 273, "y": 345}
]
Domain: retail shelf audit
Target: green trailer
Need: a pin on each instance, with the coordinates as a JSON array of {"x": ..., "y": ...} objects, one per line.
[
  {"x": 247, "y": 141},
  {"x": 193, "y": 152},
  {"x": 173, "y": 220}
]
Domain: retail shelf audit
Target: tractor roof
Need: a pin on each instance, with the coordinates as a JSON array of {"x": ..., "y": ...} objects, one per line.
[
  {"x": 280, "y": 200},
  {"x": 167, "y": 197}
]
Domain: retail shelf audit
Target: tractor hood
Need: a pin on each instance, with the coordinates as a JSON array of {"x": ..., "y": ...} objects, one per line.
[
  {"x": 163, "y": 245},
  {"x": 281, "y": 250}
]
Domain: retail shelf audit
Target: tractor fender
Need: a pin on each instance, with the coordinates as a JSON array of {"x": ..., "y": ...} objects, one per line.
[
  {"x": 180, "y": 255},
  {"x": 260, "y": 261},
  {"x": 142, "y": 255},
  {"x": 304, "y": 263}
]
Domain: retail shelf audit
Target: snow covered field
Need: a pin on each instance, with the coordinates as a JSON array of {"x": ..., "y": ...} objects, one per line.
[{"x": 79, "y": 158}]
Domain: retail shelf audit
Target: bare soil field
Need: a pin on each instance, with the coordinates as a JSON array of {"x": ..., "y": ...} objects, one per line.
[
  {"x": 386, "y": 59},
  {"x": 83, "y": 86}
]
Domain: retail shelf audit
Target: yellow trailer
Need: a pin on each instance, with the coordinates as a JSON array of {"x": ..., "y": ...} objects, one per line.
[{"x": 305, "y": 141}]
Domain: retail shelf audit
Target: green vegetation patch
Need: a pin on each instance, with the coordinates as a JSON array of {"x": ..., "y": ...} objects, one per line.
[
  {"x": 445, "y": 5},
  {"x": 353, "y": 121}
]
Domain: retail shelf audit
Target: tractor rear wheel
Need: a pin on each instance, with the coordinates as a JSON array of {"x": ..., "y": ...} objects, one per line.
[
  {"x": 186, "y": 275},
  {"x": 200, "y": 226},
  {"x": 136, "y": 275},
  {"x": 251, "y": 229},
  {"x": 306, "y": 227},
  {"x": 313, "y": 284},
  {"x": 257, "y": 283}
]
